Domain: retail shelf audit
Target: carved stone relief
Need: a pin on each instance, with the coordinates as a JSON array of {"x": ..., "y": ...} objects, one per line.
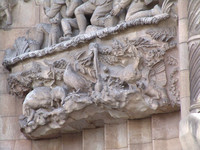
[
  {"x": 6, "y": 7},
  {"x": 109, "y": 71}
]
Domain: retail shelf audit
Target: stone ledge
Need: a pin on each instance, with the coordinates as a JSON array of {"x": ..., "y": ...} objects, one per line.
[{"x": 64, "y": 46}]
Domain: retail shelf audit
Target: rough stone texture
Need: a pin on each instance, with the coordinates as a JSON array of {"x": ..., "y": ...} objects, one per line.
[
  {"x": 165, "y": 126},
  {"x": 189, "y": 131},
  {"x": 116, "y": 136},
  {"x": 93, "y": 139},
  {"x": 9, "y": 129},
  {"x": 12, "y": 139},
  {"x": 139, "y": 132},
  {"x": 7, "y": 105}
]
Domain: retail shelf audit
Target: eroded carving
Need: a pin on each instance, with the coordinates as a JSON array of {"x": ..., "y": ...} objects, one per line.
[
  {"x": 6, "y": 7},
  {"x": 123, "y": 76}
]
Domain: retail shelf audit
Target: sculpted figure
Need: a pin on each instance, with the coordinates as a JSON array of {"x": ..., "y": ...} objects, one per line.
[
  {"x": 38, "y": 98},
  {"x": 69, "y": 23},
  {"x": 75, "y": 81},
  {"x": 6, "y": 9},
  {"x": 137, "y": 8},
  {"x": 53, "y": 29},
  {"x": 98, "y": 8}
]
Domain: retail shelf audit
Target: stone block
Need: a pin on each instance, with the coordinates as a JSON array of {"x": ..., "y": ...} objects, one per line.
[
  {"x": 116, "y": 136},
  {"x": 165, "y": 126},
  {"x": 25, "y": 14},
  {"x": 18, "y": 106},
  {"x": 3, "y": 84},
  {"x": 9, "y": 129},
  {"x": 172, "y": 144},
  {"x": 22, "y": 145},
  {"x": 183, "y": 56},
  {"x": 11, "y": 35},
  {"x": 72, "y": 141},
  {"x": 143, "y": 146},
  {"x": 93, "y": 139},
  {"x": 185, "y": 106},
  {"x": 7, "y": 145},
  {"x": 119, "y": 149},
  {"x": 184, "y": 83},
  {"x": 7, "y": 105},
  {"x": 189, "y": 132},
  {"x": 183, "y": 32},
  {"x": 53, "y": 144},
  {"x": 139, "y": 131},
  {"x": 182, "y": 11}
]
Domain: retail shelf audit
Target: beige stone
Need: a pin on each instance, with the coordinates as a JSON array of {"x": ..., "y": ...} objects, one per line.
[
  {"x": 18, "y": 106},
  {"x": 183, "y": 56},
  {"x": 3, "y": 84},
  {"x": 143, "y": 146},
  {"x": 184, "y": 83},
  {"x": 10, "y": 35},
  {"x": 189, "y": 132},
  {"x": 7, "y": 105},
  {"x": 139, "y": 131},
  {"x": 25, "y": 14},
  {"x": 165, "y": 126},
  {"x": 172, "y": 144},
  {"x": 182, "y": 9},
  {"x": 7, "y": 145},
  {"x": 72, "y": 141},
  {"x": 22, "y": 145},
  {"x": 183, "y": 33},
  {"x": 9, "y": 129},
  {"x": 185, "y": 106},
  {"x": 119, "y": 149},
  {"x": 93, "y": 139},
  {"x": 116, "y": 136},
  {"x": 54, "y": 144}
]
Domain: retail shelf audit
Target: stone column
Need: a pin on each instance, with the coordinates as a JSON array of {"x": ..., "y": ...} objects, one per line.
[
  {"x": 183, "y": 57},
  {"x": 190, "y": 124},
  {"x": 194, "y": 52}
]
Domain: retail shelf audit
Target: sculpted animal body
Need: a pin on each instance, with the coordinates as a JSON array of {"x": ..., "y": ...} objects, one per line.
[
  {"x": 58, "y": 95},
  {"x": 38, "y": 98},
  {"x": 74, "y": 80}
]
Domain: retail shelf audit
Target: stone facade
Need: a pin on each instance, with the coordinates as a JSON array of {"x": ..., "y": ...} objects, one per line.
[{"x": 150, "y": 125}]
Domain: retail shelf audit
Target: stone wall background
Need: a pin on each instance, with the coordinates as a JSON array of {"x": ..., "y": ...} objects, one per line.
[{"x": 159, "y": 132}]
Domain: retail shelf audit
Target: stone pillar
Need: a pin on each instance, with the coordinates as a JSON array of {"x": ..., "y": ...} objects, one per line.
[
  {"x": 183, "y": 56},
  {"x": 194, "y": 52},
  {"x": 190, "y": 124}
]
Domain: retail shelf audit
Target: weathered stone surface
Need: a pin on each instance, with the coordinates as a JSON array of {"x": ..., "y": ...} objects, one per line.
[
  {"x": 143, "y": 146},
  {"x": 7, "y": 105},
  {"x": 165, "y": 126},
  {"x": 116, "y": 136},
  {"x": 139, "y": 131},
  {"x": 22, "y": 145},
  {"x": 167, "y": 144},
  {"x": 93, "y": 139},
  {"x": 189, "y": 131},
  {"x": 9, "y": 129},
  {"x": 54, "y": 144},
  {"x": 7, "y": 145},
  {"x": 72, "y": 141},
  {"x": 10, "y": 35}
]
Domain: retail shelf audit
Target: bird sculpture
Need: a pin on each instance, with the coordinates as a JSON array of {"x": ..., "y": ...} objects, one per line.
[{"x": 75, "y": 81}]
